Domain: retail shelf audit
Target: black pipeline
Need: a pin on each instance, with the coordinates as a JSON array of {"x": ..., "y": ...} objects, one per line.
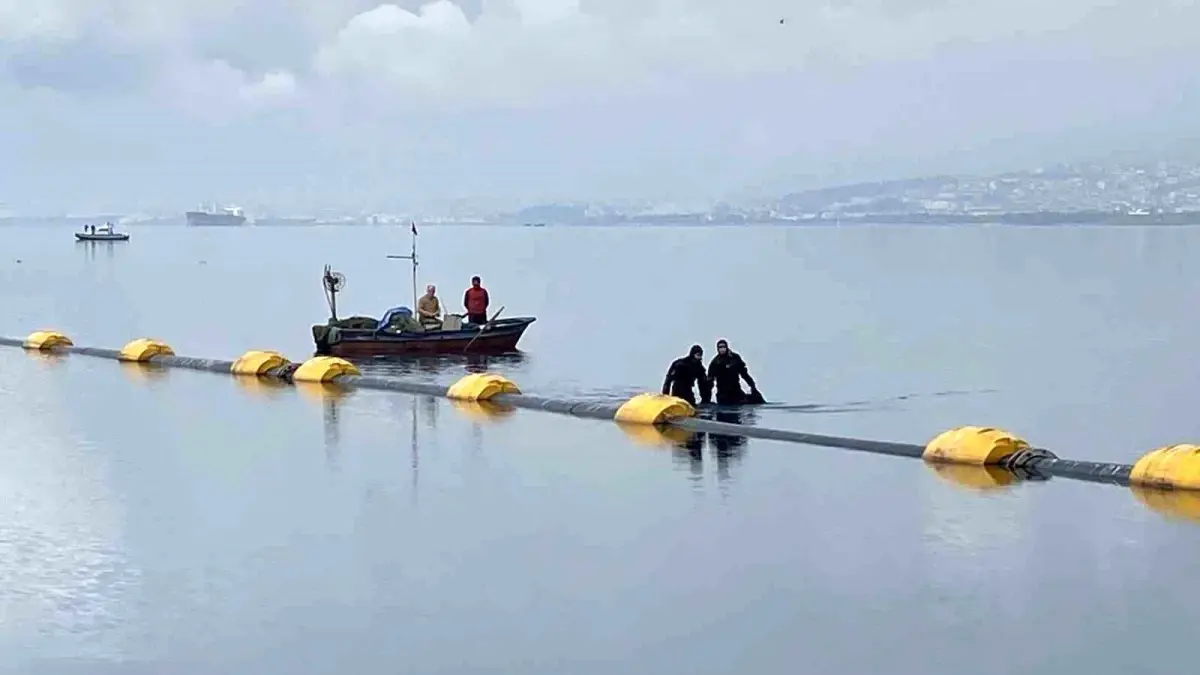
[
  {"x": 1174, "y": 467},
  {"x": 1026, "y": 461}
]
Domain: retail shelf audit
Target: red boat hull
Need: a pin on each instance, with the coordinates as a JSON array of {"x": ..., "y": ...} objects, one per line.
[{"x": 499, "y": 339}]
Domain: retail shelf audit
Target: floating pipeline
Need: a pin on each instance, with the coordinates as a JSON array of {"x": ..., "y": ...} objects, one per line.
[{"x": 981, "y": 457}]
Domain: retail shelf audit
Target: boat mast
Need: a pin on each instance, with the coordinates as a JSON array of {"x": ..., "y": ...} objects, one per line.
[{"x": 413, "y": 257}]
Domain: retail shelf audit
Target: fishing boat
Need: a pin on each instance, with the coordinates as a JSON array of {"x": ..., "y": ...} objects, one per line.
[
  {"x": 399, "y": 333},
  {"x": 101, "y": 233}
]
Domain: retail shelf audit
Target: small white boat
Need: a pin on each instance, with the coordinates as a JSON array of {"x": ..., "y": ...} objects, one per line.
[{"x": 101, "y": 233}]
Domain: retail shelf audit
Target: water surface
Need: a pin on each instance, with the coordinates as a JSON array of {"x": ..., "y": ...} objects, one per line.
[{"x": 183, "y": 522}]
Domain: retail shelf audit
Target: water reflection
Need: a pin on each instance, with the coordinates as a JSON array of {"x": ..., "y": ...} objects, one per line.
[
  {"x": 330, "y": 397},
  {"x": 49, "y": 360},
  {"x": 109, "y": 248},
  {"x": 978, "y": 478},
  {"x": 483, "y": 411},
  {"x": 420, "y": 411},
  {"x": 725, "y": 450},
  {"x": 331, "y": 424},
  {"x": 433, "y": 366},
  {"x": 431, "y": 406},
  {"x": 268, "y": 387},
  {"x": 1179, "y": 505},
  {"x": 145, "y": 373}
]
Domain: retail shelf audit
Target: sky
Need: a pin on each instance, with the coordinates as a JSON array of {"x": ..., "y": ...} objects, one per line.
[{"x": 351, "y": 103}]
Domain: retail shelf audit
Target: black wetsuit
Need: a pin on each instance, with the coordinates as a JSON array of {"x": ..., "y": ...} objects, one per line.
[
  {"x": 684, "y": 373},
  {"x": 724, "y": 371}
]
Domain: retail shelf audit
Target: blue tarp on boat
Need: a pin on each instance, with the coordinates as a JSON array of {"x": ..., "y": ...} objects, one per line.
[{"x": 400, "y": 311}]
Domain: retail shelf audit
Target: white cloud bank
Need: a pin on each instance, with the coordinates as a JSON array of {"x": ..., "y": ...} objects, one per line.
[
  {"x": 341, "y": 101},
  {"x": 521, "y": 50},
  {"x": 527, "y": 51}
]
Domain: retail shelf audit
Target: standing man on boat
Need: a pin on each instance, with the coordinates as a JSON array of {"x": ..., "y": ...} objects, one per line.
[
  {"x": 686, "y": 372},
  {"x": 429, "y": 310},
  {"x": 725, "y": 370},
  {"x": 476, "y": 301}
]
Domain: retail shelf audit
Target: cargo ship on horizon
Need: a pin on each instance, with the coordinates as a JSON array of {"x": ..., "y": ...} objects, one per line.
[{"x": 210, "y": 215}]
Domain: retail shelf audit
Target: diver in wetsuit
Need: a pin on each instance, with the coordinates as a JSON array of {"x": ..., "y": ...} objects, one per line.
[
  {"x": 724, "y": 372},
  {"x": 685, "y": 372}
]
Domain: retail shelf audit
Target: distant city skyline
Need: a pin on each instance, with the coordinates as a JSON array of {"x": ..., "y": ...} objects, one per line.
[
  {"x": 257, "y": 200},
  {"x": 1116, "y": 188},
  {"x": 411, "y": 105}
]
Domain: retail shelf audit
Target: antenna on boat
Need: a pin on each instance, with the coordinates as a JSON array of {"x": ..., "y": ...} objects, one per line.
[
  {"x": 413, "y": 257},
  {"x": 333, "y": 282}
]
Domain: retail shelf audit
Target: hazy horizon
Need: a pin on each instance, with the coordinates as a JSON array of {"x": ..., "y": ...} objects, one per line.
[{"x": 138, "y": 104}]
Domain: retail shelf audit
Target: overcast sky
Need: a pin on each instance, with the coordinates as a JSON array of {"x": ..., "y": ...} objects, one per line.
[{"x": 345, "y": 102}]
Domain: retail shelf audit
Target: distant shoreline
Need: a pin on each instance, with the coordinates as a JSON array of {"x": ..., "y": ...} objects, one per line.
[
  {"x": 1041, "y": 218},
  {"x": 1038, "y": 218}
]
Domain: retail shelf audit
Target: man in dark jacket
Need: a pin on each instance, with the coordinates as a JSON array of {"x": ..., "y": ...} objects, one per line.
[
  {"x": 724, "y": 372},
  {"x": 686, "y": 372}
]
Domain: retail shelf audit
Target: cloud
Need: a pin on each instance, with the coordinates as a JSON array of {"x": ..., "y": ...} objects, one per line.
[
  {"x": 84, "y": 66},
  {"x": 443, "y": 54},
  {"x": 536, "y": 99},
  {"x": 176, "y": 54},
  {"x": 523, "y": 51},
  {"x": 217, "y": 91}
]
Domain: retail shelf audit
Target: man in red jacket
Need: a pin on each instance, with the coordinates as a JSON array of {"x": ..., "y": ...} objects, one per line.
[{"x": 476, "y": 302}]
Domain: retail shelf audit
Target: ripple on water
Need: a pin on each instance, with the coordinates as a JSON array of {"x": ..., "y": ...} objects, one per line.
[{"x": 64, "y": 577}]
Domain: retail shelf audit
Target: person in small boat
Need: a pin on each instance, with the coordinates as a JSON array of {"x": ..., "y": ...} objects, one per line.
[
  {"x": 429, "y": 310},
  {"x": 724, "y": 371},
  {"x": 685, "y": 373},
  {"x": 476, "y": 301}
]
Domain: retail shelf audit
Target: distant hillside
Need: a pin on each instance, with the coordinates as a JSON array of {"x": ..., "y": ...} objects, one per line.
[
  {"x": 822, "y": 198},
  {"x": 551, "y": 213},
  {"x": 1159, "y": 187}
]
